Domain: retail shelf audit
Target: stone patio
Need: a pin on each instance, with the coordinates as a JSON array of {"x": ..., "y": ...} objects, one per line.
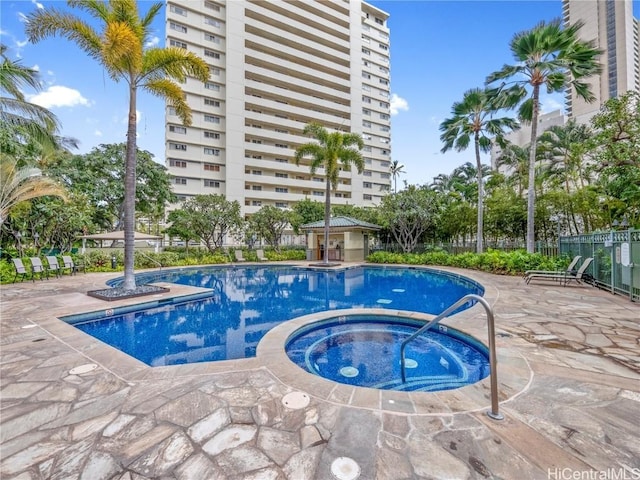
[{"x": 74, "y": 408}]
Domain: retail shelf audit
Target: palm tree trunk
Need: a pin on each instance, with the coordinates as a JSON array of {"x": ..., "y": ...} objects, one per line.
[
  {"x": 480, "y": 232},
  {"x": 130, "y": 193},
  {"x": 531, "y": 193},
  {"x": 327, "y": 220}
]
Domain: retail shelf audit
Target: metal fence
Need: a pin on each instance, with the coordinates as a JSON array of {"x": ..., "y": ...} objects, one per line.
[{"x": 616, "y": 259}]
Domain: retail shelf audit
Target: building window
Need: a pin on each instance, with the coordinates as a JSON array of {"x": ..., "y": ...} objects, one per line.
[
  {"x": 366, "y": 88},
  {"x": 212, "y": 86},
  {"x": 366, "y": 148},
  {"x": 212, "y": 183},
  {"x": 384, "y": 128},
  {"x": 279, "y": 130},
  {"x": 366, "y": 51},
  {"x": 257, "y": 188},
  {"x": 180, "y": 181},
  {"x": 366, "y": 123},
  {"x": 256, "y": 203},
  {"x": 282, "y": 190},
  {"x": 366, "y": 184},
  {"x": 177, "y": 43},
  {"x": 211, "y": 38},
  {"x": 177, "y": 10},
  {"x": 177, "y": 129},
  {"x": 281, "y": 175},
  {"x": 367, "y": 161},
  {"x": 384, "y": 116},
  {"x": 211, "y": 119},
  {"x": 367, "y": 173},
  {"x": 385, "y": 175},
  {"x": 211, "y": 54},
  {"x": 211, "y": 102},
  {"x": 177, "y": 146},
  {"x": 214, "y": 71},
  {"x": 384, "y": 152},
  {"x": 177, "y": 27},
  {"x": 214, "y": 135},
  {"x": 281, "y": 204},
  {"x": 366, "y": 99},
  {"x": 211, "y": 6},
  {"x": 282, "y": 160},
  {"x": 258, "y": 157},
  {"x": 384, "y": 81},
  {"x": 281, "y": 145},
  {"x": 171, "y": 110},
  {"x": 366, "y": 111},
  {"x": 317, "y": 193},
  {"x": 318, "y": 179},
  {"x": 212, "y": 21},
  {"x": 255, "y": 140},
  {"x": 177, "y": 163},
  {"x": 256, "y": 172},
  {"x": 366, "y": 75},
  {"x": 212, "y": 151},
  {"x": 383, "y": 46},
  {"x": 210, "y": 167},
  {"x": 385, "y": 164}
]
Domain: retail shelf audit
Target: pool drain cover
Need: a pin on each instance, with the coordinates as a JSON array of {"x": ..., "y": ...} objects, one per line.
[
  {"x": 349, "y": 372},
  {"x": 345, "y": 468},
  {"x": 410, "y": 363},
  {"x": 86, "y": 368},
  {"x": 295, "y": 400}
]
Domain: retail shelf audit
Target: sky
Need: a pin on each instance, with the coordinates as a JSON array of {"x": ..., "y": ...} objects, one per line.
[{"x": 439, "y": 50}]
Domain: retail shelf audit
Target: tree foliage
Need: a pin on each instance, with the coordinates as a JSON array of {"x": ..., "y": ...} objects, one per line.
[{"x": 269, "y": 223}]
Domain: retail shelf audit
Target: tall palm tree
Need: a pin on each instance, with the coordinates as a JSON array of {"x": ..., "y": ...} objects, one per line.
[
  {"x": 396, "y": 169},
  {"x": 18, "y": 184},
  {"x": 516, "y": 159},
  {"x": 21, "y": 118},
  {"x": 472, "y": 118},
  {"x": 330, "y": 148},
  {"x": 120, "y": 47},
  {"x": 556, "y": 58}
]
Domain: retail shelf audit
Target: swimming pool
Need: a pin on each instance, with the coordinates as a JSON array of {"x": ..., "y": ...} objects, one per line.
[
  {"x": 364, "y": 351},
  {"x": 246, "y": 302}
]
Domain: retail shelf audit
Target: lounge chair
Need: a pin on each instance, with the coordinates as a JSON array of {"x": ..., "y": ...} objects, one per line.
[
  {"x": 37, "y": 267},
  {"x": 73, "y": 267},
  {"x": 20, "y": 269},
  {"x": 53, "y": 265},
  {"x": 563, "y": 277},
  {"x": 260, "y": 255},
  {"x": 239, "y": 256},
  {"x": 569, "y": 269}
]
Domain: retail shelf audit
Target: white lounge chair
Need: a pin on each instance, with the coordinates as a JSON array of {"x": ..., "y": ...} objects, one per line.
[
  {"x": 563, "y": 277},
  {"x": 239, "y": 256},
  {"x": 569, "y": 268},
  {"x": 260, "y": 255}
]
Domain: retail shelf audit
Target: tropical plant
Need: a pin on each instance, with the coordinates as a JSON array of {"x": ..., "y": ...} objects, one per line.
[
  {"x": 556, "y": 58},
  {"x": 121, "y": 48},
  {"x": 396, "y": 168},
  {"x": 472, "y": 120},
  {"x": 330, "y": 148},
  {"x": 19, "y": 118},
  {"x": 20, "y": 184},
  {"x": 269, "y": 224}
]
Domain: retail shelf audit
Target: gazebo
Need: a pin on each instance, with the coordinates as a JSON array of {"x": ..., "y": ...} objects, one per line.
[
  {"x": 348, "y": 239},
  {"x": 118, "y": 235}
]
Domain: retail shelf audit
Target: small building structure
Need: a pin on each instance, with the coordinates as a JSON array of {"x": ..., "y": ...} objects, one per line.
[{"x": 349, "y": 239}]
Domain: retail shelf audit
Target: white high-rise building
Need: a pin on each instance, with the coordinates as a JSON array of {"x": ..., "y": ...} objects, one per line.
[
  {"x": 611, "y": 25},
  {"x": 275, "y": 67}
]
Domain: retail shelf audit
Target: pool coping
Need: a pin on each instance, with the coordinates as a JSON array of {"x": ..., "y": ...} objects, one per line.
[{"x": 514, "y": 373}]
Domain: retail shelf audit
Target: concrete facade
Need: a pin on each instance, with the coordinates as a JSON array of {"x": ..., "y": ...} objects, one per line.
[
  {"x": 615, "y": 31},
  {"x": 275, "y": 67}
]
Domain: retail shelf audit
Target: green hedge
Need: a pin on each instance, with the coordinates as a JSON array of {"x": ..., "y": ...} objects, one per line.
[{"x": 493, "y": 261}]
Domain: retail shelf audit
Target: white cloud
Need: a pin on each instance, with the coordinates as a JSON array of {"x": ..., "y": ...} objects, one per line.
[
  {"x": 398, "y": 103},
  {"x": 59, "y": 96},
  {"x": 97, "y": 133},
  {"x": 153, "y": 42},
  {"x": 38, "y": 4},
  {"x": 36, "y": 67}
]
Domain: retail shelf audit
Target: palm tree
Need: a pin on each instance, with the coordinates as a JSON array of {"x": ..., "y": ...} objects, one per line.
[
  {"x": 21, "y": 184},
  {"x": 120, "y": 47},
  {"x": 396, "y": 169},
  {"x": 473, "y": 118},
  {"x": 21, "y": 118},
  {"x": 325, "y": 153},
  {"x": 516, "y": 159},
  {"x": 556, "y": 58}
]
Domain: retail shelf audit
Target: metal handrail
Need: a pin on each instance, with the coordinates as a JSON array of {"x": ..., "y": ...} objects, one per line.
[
  {"x": 493, "y": 361},
  {"x": 152, "y": 259}
]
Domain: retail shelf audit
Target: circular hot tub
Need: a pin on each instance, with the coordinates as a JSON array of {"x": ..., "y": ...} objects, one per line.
[{"x": 364, "y": 350}]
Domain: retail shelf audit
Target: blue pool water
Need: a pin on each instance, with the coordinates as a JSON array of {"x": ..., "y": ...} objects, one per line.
[
  {"x": 246, "y": 302},
  {"x": 366, "y": 352}
]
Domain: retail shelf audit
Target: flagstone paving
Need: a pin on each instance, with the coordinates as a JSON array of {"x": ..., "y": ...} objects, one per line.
[{"x": 569, "y": 380}]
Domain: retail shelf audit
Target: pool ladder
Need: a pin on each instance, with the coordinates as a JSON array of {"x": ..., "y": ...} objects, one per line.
[{"x": 494, "y": 413}]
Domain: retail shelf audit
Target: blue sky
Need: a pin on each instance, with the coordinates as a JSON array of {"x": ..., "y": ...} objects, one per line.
[{"x": 439, "y": 49}]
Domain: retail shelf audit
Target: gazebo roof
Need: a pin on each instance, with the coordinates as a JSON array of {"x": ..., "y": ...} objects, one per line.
[{"x": 341, "y": 223}]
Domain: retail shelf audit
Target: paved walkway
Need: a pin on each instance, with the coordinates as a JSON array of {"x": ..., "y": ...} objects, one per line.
[{"x": 73, "y": 408}]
